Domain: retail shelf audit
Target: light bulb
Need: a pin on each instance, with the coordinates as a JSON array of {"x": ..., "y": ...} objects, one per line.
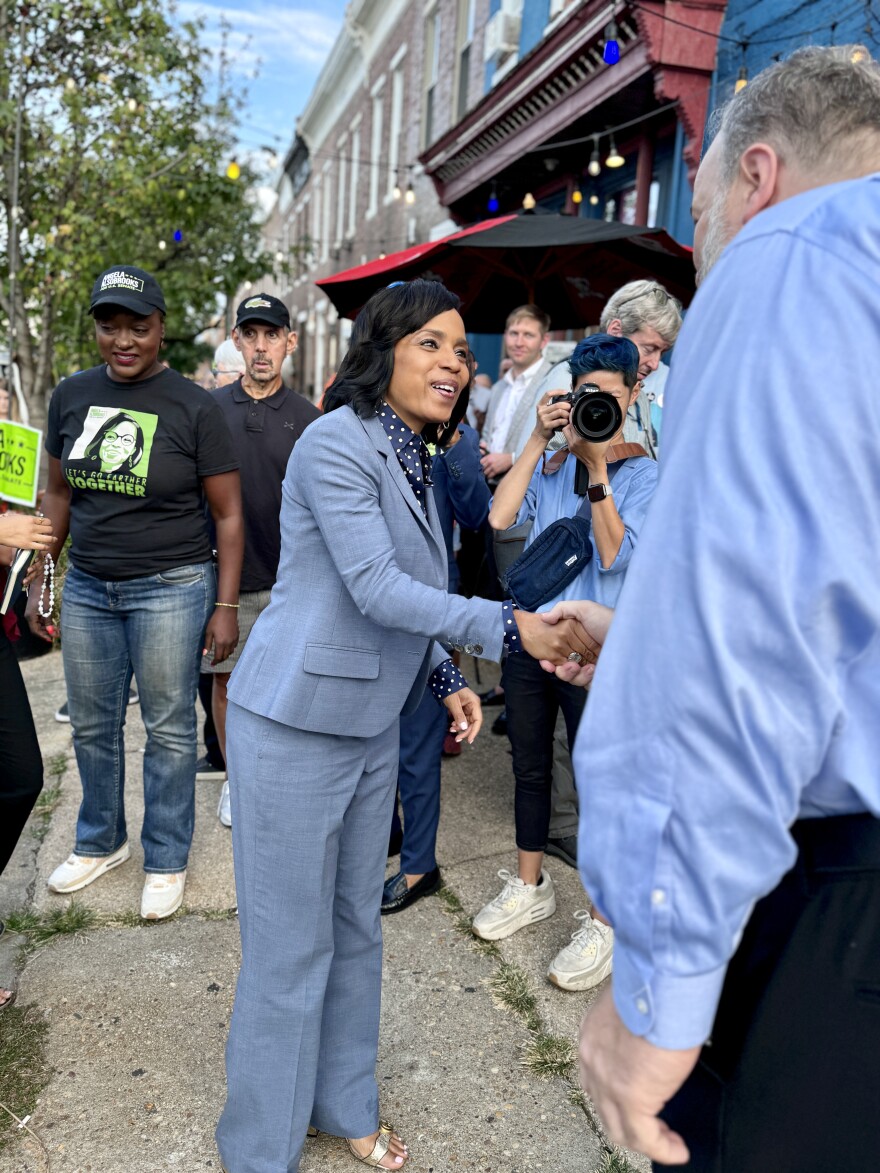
[
  {"x": 595, "y": 164},
  {"x": 279, "y": 256},
  {"x": 529, "y": 201},
  {"x": 162, "y": 246},
  {"x": 594, "y": 199},
  {"x": 397, "y": 193},
  {"x": 492, "y": 203},
  {"x": 132, "y": 105},
  {"x": 410, "y": 197},
  {"x": 233, "y": 171},
  {"x": 577, "y": 196},
  {"x": 742, "y": 80},
  {"x": 611, "y": 50},
  {"x": 859, "y": 53},
  {"x": 615, "y": 159}
]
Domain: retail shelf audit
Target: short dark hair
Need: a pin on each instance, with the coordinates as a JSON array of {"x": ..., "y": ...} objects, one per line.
[
  {"x": 389, "y": 316},
  {"x": 605, "y": 352}
]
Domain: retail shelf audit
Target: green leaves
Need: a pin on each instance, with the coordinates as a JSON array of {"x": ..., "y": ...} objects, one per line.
[{"x": 123, "y": 144}]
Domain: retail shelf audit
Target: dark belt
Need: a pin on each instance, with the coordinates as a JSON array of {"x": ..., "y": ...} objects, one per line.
[{"x": 843, "y": 843}]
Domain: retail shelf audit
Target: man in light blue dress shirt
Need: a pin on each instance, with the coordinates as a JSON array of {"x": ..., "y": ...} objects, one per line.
[{"x": 731, "y": 835}]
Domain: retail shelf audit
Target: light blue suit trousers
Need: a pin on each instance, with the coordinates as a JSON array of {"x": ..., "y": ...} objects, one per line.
[{"x": 311, "y": 814}]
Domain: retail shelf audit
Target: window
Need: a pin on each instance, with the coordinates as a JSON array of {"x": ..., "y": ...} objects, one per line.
[
  {"x": 342, "y": 145},
  {"x": 326, "y": 227},
  {"x": 464, "y": 41},
  {"x": 396, "y": 126},
  {"x": 432, "y": 73},
  {"x": 355, "y": 176},
  {"x": 376, "y": 146},
  {"x": 316, "y": 223}
]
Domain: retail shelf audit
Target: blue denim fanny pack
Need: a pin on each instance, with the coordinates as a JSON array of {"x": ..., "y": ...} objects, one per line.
[{"x": 554, "y": 558}]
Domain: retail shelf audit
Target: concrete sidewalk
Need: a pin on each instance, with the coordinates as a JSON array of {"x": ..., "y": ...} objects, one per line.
[{"x": 138, "y": 1014}]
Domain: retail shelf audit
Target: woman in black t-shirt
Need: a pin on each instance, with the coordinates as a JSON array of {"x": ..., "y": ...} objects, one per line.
[{"x": 134, "y": 451}]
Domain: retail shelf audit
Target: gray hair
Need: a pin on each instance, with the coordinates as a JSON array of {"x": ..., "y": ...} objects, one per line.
[
  {"x": 640, "y": 305},
  {"x": 819, "y": 109},
  {"x": 228, "y": 357}
]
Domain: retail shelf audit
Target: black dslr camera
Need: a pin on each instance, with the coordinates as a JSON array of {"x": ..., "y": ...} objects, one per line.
[{"x": 595, "y": 414}]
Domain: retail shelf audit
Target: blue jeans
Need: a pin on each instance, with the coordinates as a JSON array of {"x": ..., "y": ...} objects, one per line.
[{"x": 152, "y": 627}]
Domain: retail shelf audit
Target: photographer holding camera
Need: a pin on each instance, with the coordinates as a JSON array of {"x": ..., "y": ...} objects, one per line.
[{"x": 601, "y": 487}]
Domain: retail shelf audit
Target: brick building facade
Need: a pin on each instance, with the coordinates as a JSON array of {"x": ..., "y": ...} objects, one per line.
[{"x": 352, "y": 188}]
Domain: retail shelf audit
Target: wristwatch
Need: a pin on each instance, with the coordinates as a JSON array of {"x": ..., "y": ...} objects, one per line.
[{"x": 599, "y": 492}]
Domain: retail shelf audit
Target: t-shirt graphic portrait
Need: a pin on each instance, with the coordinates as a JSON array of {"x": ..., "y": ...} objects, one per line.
[{"x": 112, "y": 453}]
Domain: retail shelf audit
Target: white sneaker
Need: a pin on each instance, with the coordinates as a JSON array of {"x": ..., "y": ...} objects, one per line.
[
  {"x": 224, "y": 808},
  {"x": 586, "y": 959},
  {"x": 517, "y": 905},
  {"x": 162, "y": 895},
  {"x": 79, "y": 870}
]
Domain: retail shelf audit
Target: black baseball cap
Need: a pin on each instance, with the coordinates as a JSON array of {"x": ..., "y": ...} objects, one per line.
[
  {"x": 263, "y": 307},
  {"x": 130, "y": 287}
]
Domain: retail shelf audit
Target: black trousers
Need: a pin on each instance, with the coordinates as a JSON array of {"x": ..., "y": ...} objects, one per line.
[
  {"x": 789, "y": 1082},
  {"x": 21, "y": 764},
  {"x": 533, "y": 698},
  {"x": 209, "y": 733}
]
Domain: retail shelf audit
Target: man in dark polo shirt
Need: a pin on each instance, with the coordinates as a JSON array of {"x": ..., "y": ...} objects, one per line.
[{"x": 265, "y": 419}]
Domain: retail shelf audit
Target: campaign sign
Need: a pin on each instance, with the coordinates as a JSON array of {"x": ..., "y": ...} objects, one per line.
[{"x": 19, "y": 462}]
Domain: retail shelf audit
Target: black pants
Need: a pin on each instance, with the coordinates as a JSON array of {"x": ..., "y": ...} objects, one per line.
[
  {"x": 21, "y": 765},
  {"x": 209, "y": 733},
  {"x": 789, "y": 1083},
  {"x": 534, "y": 698}
]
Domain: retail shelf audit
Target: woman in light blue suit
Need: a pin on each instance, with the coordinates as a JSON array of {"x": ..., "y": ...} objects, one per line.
[{"x": 347, "y": 643}]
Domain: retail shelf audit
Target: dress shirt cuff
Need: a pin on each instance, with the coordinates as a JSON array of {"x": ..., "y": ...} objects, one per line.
[
  {"x": 512, "y": 642},
  {"x": 670, "y": 1011},
  {"x": 445, "y": 680}
]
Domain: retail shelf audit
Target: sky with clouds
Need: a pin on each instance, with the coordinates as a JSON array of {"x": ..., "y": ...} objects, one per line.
[{"x": 276, "y": 52}]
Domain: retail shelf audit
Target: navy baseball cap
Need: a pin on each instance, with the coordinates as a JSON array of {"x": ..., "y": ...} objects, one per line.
[
  {"x": 263, "y": 307},
  {"x": 131, "y": 288}
]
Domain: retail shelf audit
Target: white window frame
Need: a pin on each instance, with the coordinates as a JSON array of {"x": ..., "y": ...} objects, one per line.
[
  {"x": 354, "y": 191},
  {"x": 376, "y": 129},
  {"x": 395, "y": 129}
]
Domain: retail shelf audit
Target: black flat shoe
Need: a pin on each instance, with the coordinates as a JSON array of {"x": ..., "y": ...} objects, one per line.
[
  {"x": 565, "y": 848},
  {"x": 396, "y": 895},
  {"x": 491, "y": 698},
  {"x": 395, "y": 842}
]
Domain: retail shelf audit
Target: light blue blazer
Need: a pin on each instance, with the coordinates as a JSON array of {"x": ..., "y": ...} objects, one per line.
[{"x": 348, "y": 639}]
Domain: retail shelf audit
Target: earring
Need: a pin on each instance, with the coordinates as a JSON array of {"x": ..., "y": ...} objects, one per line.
[{"x": 446, "y": 425}]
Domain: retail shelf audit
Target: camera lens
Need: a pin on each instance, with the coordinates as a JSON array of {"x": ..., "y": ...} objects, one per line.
[{"x": 596, "y": 416}]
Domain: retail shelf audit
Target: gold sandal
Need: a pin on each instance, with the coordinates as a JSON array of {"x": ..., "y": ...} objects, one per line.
[{"x": 380, "y": 1148}]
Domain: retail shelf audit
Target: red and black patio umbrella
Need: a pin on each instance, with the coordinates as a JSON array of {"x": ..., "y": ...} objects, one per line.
[{"x": 566, "y": 265}]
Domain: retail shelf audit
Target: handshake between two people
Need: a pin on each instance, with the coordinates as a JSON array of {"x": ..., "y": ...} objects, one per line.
[{"x": 566, "y": 640}]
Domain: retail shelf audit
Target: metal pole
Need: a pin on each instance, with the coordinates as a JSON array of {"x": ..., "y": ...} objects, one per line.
[{"x": 14, "y": 210}]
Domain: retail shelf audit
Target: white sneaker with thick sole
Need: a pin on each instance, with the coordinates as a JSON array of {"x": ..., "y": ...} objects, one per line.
[
  {"x": 163, "y": 894},
  {"x": 518, "y": 904},
  {"x": 224, "y": 807},
  {"x": 586, "y": 959},
  {"x": 79, "y": 870}
]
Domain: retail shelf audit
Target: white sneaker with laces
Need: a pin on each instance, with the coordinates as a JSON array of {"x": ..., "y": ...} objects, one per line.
[
  {"x": 163, "y": 894},
  {"x": 518, "y": 904},
  {"x": 586, "y": 959},
  {"x": 79, "y": 870},
  {"x": 224, "y": 807}
]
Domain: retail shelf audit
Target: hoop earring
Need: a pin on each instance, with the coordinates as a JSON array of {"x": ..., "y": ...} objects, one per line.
[{"x": 446, "y": 425}]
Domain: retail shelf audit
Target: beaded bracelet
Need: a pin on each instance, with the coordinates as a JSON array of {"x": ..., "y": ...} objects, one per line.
[{"x": 48, "y": 585}]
